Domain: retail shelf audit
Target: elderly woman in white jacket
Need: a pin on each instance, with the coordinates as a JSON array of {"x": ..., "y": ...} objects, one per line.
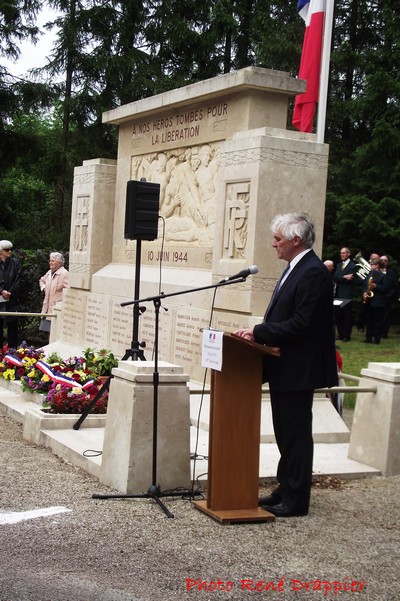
[{"x": 52, "y": 284}]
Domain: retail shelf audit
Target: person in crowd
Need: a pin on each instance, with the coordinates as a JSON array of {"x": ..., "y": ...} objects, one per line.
[
  {"x": 299, "y": 321},
  {"x": 344, "y": 290},
  {"x": 330, "y": 265},
  {"x": 374, "y": 299},
  {"x": 10, "y": 277},
  {"x": 361, "y": 321},
  {"x": 392, "y": 294},
  {"x": 52, "y": 284}
]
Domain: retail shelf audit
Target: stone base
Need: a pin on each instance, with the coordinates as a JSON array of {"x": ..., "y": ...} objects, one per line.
[{"x": 128, "y": 452}]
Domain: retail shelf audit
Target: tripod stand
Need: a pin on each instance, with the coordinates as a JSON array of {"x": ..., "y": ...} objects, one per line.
[
  {"x": 135, "y": 352},
  {"x": 154, "y": 492}
]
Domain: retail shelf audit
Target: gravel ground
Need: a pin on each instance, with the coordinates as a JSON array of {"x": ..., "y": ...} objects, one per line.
[{"x": 120, "y": 550}]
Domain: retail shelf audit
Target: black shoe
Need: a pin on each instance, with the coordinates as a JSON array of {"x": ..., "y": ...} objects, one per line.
[
  {"x": 377, "y": 341},
  {"x": 368, "y": 340},
  {"x": 283, "y": 511},
  {"x": 346, "y": 340},
  {"x": 271, "y": 500}
]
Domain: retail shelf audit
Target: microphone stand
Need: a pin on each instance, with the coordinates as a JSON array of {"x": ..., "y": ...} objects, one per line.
[{"x": 154, "y": 492}]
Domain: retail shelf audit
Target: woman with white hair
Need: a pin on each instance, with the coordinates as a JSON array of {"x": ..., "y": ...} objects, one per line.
[
  {"x": 10, "y": 276},
  {"x": 52, "y": 284}
]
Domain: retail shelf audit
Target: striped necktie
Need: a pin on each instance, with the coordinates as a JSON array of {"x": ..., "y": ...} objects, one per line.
[
  {"x": 282, "y": 278},
  {"x": 277, "y": 287}
]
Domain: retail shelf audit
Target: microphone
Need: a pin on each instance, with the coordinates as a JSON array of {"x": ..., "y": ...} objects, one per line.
[{"x": 242, "y": 274}]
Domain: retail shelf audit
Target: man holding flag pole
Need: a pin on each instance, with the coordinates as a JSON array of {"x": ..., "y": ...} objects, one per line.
[{"x": 314, "y": 65}]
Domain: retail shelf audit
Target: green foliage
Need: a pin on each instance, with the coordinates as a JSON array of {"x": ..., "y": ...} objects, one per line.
[
  {"x": 356, "y": 355},
  {"x": 100, "y": 362},
  {"x": 111, "y": 53},
  {"x": 365, "y": 225},
  {"x": 17, "y": 22}
]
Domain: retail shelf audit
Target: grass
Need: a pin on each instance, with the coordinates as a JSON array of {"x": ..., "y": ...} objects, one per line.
[{"x": 356, "y": 355}]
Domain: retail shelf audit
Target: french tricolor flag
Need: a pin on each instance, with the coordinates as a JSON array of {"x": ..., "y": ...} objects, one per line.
[
  {"x": 44, "y": 368},
  {"x": 88, "y": 384},
  {"x": 66, "y": 381},
  {"x": 13, "y": 360},
  {"x": 313, "y": 13}
]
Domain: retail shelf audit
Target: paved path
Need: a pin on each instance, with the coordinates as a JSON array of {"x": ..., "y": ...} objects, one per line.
[{"x": 128, "y": 550}]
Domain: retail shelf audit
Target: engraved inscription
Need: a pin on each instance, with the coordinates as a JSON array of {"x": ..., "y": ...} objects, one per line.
[
  {"x": 147, "y": 332},
  {"x": 182, "y": 126},
  {"x": 96, "y": 321},
  {"x": 73, "y": 316},
  {"x": 188, "y": 336},
  {"x": 121, "y": 327}
]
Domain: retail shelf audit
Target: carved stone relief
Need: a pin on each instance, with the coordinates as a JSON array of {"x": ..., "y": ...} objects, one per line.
[
  {"x": 236, "y": 220},
  {"x": 187, "y": 179},
  {"x": 81, "y": 223}
]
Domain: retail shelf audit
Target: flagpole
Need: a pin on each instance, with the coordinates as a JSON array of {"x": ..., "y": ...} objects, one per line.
[{"x": 324, "y": 77}]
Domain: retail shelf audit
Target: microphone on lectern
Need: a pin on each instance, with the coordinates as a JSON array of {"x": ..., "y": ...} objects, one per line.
[{"x": 242, "y": 274}]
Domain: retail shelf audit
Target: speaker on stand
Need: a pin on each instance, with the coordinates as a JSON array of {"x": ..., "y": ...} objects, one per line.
[{"x": 141, "y": 223}]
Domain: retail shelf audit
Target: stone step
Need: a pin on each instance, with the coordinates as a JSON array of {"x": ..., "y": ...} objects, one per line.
[
  {"x": 328, "y": 426},
  {"x": 83, "y": 447}
]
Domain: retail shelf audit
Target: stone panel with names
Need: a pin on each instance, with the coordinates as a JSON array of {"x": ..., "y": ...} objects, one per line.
[
  {"x": 189, "y": 324},
  {"x": 228, "y": 323},
  {"x": 73, "y": 313},
  {"x": 121, "y": 328},
  {"x": 165, "y": 332},
  {"x": 97, "y": 319}
]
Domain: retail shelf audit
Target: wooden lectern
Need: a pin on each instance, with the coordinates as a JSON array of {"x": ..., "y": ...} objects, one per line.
[{"x": 234, "y": 434}]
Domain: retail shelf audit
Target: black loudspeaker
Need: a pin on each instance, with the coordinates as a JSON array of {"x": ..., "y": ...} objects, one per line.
[{"x": 141, "y": 210}]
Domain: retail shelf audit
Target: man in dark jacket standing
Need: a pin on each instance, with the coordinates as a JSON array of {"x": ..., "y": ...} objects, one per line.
[
  {"x": 375, "y": 288},
  {"x": 344, "y": 290},
  {"x": 10, "y": 275},
  {"x": 299, "y": 321}
]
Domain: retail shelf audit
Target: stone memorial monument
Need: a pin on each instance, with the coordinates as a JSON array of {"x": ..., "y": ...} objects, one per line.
[{"x": 226, "y": 164}]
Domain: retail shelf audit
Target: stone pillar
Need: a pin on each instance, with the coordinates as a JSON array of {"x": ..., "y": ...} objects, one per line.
[
  {"x": 127, "y": 460},
  {"x": 263, "y": 172},
  {"x": 375, "y": 434},
  {"x": 92, "y": 217}
]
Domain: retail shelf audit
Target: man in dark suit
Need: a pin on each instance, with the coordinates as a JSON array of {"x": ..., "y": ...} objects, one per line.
[
  {"x": 344, "y": 290},
  {"x": 10, "y": 277},
  {"x": 299, "y": 321},
  {"x": 392, "y": 293}
]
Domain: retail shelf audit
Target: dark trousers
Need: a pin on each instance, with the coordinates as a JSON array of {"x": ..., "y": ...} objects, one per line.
[
  {"x": 12, "y": 332},
  {"x": 292, "y": 419},
  {"x": 344, "y": 320},
  {"x": 387, "y": 319},
  {"x": 374, "y": 317}
]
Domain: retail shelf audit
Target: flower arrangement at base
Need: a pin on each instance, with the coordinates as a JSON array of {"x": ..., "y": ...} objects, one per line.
[
  {"x": 64, "y": 399},
  {"x": 17, "y": 364},
  {"x": 69, "y": 385}
]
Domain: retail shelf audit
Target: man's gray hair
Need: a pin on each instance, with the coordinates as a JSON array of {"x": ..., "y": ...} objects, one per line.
[
  {"x": 291, "y": 225},
  {"x": 5, "y": 245},
  {"x": 57, "y": 257}
]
